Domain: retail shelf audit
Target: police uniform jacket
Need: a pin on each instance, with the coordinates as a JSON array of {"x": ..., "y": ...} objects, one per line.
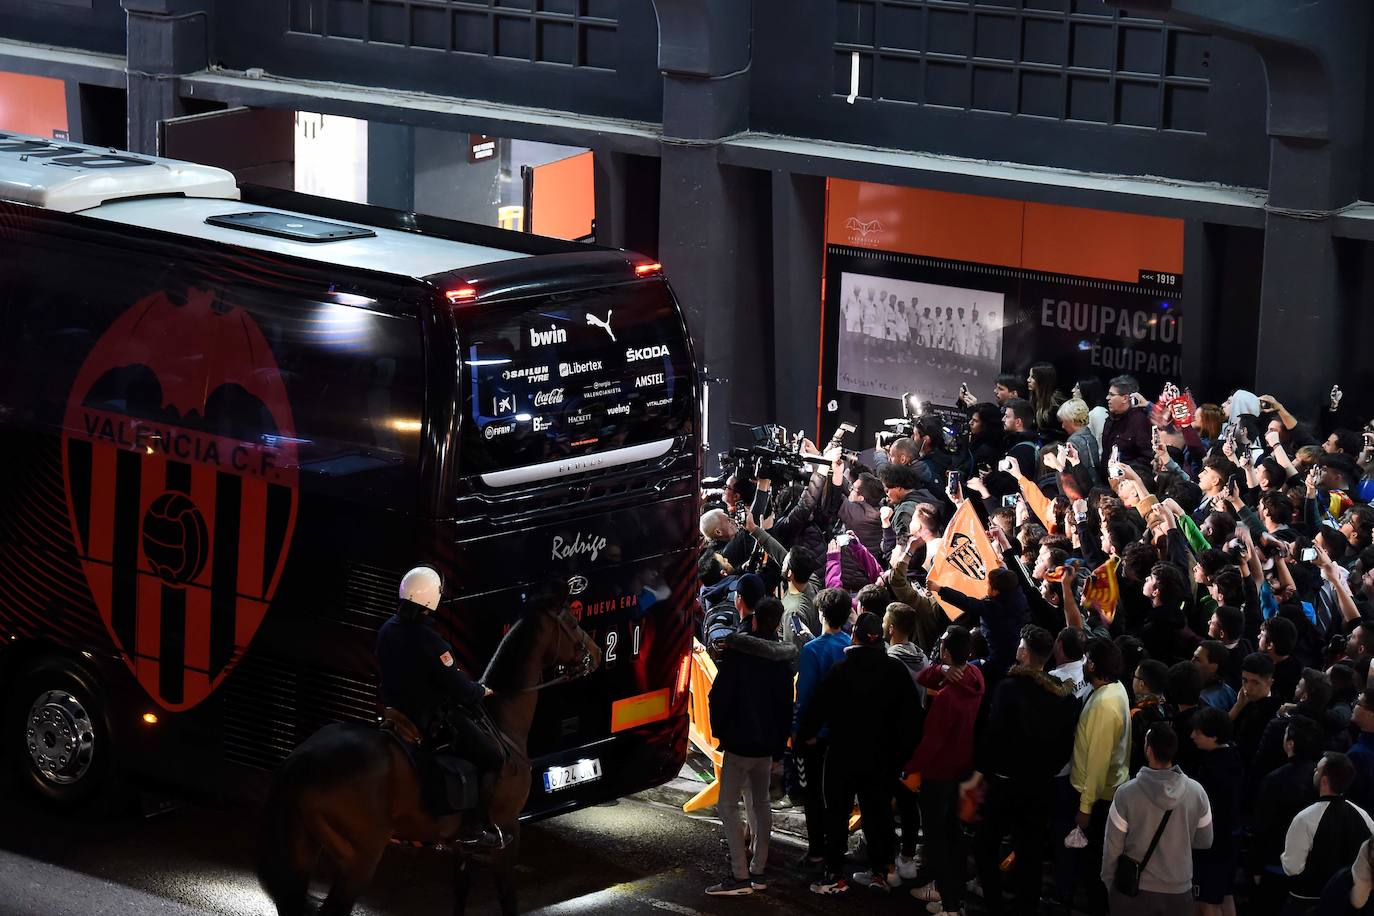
[{"x": 419, "y": 674}]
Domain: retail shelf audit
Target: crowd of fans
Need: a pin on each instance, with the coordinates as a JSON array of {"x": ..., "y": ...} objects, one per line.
[{"x": 1158, "y": 701}]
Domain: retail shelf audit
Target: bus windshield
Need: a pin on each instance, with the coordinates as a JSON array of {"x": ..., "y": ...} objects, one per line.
[{"x": 571, "y": 375}]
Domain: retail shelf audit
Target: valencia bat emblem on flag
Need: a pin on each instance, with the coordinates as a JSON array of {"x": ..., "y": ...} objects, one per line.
[{"x": 180, "y": 466}]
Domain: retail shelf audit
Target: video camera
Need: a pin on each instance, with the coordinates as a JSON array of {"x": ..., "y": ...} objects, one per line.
[
  {"x": 775, "y": 456},
  {"x": 952, "y": 424}
]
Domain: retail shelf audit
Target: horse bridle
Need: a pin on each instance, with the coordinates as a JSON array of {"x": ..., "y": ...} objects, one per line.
[{"x": 567, "y": 626}]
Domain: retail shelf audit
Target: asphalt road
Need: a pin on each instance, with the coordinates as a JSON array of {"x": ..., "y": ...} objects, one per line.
[{"x": 635, "y": 857}]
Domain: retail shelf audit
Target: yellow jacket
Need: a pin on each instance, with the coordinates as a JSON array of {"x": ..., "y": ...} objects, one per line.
[{"x": 1102, "y": 746}]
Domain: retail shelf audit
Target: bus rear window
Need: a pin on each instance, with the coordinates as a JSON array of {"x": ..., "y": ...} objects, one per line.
[{"x": 571, "y": 375}]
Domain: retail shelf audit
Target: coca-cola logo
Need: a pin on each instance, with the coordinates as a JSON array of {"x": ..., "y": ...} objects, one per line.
[{"x": 548, "y": 398}]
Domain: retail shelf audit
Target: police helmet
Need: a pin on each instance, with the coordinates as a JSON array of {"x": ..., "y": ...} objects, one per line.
[{"x": 423, "y": 586}]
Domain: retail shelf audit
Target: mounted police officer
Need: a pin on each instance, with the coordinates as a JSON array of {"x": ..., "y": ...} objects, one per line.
[{"x": 421, "y": 679}]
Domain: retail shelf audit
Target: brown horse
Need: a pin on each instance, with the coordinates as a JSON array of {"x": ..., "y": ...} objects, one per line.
[{"x": 345, "y": 793}]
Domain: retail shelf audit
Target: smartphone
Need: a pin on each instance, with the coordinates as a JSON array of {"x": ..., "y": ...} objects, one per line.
[
  {"x": 842, "y": 540},
  {"x": 963, "y": 389},
  {"x": 1309, "y": 554},
  {"x": 951, "y": 482},
  {"x": 1009, "y": 501},
  {"x": 1116, "y": 453}
]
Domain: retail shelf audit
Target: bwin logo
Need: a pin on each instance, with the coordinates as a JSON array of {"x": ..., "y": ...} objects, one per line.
[{"x": 551, "y": 336}]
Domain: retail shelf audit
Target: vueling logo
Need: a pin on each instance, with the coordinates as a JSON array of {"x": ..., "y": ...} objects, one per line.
[{"x": 553, "y": 335}]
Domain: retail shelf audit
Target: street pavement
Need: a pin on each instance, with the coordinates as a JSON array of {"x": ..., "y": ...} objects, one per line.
[{"x": 637, "y": 856}]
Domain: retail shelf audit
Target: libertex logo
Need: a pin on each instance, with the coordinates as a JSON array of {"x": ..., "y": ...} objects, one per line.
[{"x": 864, "y": 232}]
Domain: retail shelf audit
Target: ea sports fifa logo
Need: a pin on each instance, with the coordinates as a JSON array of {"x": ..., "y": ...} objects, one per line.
[{"x": 180, "y": 465}]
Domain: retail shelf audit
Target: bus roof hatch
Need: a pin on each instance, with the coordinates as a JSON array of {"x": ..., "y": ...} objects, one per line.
[{"x": 70, "y": 177}]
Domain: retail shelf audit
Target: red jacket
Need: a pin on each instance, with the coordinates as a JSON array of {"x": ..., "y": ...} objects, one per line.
[{"x": 945, "y": 753}]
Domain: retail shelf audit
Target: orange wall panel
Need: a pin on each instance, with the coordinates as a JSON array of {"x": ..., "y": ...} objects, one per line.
[
  {"x": 1099, "y": 243},
  {"x": 937, "y": 224},
  {"x": 1006, "y": 233},
  {"x": 32, "y": 104},
  {"x": 564, "y": 198}
]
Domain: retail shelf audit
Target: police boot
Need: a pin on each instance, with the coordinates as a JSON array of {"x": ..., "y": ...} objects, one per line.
[{"x": 478, "y": 831}]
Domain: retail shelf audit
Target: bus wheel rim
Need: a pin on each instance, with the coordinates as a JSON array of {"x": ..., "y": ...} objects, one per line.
[{"x": 60, "y": 737}]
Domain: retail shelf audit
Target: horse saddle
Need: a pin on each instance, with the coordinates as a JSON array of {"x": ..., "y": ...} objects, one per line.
[{"x": 449, "y": 783}]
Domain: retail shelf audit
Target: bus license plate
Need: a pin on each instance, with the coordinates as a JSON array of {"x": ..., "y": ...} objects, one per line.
[{"x": 556, "y": 778}]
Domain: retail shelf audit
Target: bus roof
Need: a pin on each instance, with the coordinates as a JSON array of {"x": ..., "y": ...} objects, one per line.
[{"x": 167, "y": 195}]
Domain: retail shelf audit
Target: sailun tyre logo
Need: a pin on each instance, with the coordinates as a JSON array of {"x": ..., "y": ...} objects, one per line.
[{"x": 182, "y": 484}]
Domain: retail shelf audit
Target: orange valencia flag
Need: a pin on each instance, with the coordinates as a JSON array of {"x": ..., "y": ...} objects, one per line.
[
  {"x": 1102, "y": 591},
  {"x": 1037, "y": 502},
  {"x": 965, "y": 556}
]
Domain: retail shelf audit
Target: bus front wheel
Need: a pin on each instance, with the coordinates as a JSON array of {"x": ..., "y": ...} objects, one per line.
[{"x": 63, "y": 745}]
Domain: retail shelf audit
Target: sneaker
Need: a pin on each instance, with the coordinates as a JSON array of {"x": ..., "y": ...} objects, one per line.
[
  {"x": 926, "y": 893},
  {"x": 877, "y": 882},
  {"x": 758, "y": 882},
  {"x": 830, "y": 883},
  {"x": 731, "y": 886},
  {"x": 907, "y": 868}
]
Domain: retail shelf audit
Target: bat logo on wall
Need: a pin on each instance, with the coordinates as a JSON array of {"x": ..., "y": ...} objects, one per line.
[
  {"x": 182, "y": 487},
  {"x": 864, "y": 229}
]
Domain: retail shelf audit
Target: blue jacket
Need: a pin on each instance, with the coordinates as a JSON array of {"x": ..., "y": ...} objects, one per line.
[
  {"x": 817, "y": 657},
  {"x": 1362, "y": 755},
  {"x": 1000, "y": 618}
]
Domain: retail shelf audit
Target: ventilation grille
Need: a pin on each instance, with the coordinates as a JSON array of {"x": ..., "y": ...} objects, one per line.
[
  {"x": 370, "y": 596},
  {"x": 271, "y": 705}
]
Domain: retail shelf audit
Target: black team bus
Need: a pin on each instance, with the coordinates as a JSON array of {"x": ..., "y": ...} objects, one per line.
[{"x": 232, "y": 419}]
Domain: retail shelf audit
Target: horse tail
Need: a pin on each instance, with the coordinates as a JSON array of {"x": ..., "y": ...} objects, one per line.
[{"x": 283, "y": 878}]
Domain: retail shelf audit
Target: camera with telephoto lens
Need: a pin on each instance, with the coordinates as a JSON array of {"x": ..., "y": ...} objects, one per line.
[{"x": 946, "y": 426}]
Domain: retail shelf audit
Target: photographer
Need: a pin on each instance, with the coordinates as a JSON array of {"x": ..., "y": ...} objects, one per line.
[
  {"x": 902, "y": 484},
  {"x": 857, "y": 505},
  {"x": 727, "y": 546}
]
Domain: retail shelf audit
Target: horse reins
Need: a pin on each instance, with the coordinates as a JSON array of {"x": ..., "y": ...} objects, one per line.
[{"x": 583, "y": 667}]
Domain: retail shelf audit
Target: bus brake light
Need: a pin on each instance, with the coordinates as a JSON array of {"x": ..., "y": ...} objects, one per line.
[
  {"x": 684, "y": 675},
  {"x": 643, "y": 270},
  {"x": 150, "y": 718},
  {"x": 461, "y": 294}
]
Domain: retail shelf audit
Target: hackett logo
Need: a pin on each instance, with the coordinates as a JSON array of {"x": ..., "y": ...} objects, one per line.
[
  {"x": 586, "y": 545},
  {"x": 551, "y": 336}
]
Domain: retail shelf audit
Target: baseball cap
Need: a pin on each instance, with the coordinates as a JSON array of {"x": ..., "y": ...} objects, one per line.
[
  {"x": 868, "y": 630},
  {"x": 751, "y": 589}
]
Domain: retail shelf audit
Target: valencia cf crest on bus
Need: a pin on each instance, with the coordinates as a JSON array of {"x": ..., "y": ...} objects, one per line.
[{"x": 180, "y": 465}]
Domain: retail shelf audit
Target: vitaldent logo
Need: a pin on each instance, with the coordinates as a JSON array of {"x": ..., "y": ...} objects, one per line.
[
  {"x": 551, "y": 336},
  {"x": 633, "y": 355},
  {"x": 864, "y": 232}
]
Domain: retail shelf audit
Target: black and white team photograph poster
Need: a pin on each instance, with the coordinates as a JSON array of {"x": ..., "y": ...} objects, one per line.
[{"x": 898, "y": 336}]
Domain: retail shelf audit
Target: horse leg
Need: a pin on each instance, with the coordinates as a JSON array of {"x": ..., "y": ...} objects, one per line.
[
  {"x": 462, "y": 884},
  {"x": 503, "y": 870},
  {"x": 354, "y": 865}
]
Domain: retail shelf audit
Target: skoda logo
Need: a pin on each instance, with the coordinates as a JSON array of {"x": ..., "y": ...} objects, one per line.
[{"x": 577, "y": 585}]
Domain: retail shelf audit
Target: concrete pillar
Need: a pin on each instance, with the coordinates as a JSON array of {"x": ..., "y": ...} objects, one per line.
[
  {"x": 166, "y": 38},
  {"x": 798, "y": 229},
  {"x": 709, "y": 226},
  {"x": 391, "y": 165}
]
